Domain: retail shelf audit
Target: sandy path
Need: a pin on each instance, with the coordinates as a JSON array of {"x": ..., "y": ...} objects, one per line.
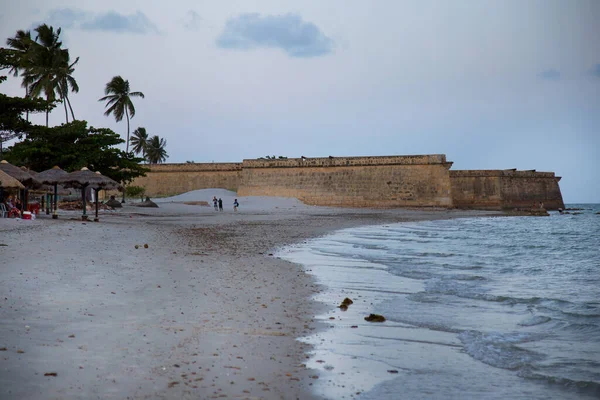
[{"x": 203, "y": 312}]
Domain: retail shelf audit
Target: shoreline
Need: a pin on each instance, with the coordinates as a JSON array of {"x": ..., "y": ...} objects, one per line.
[{"x": 223, "y": 319}]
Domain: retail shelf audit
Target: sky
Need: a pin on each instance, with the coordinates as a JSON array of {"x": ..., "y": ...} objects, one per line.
[{"x": 491, "y": 84}]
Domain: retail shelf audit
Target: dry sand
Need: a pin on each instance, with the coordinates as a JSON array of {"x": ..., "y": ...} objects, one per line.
[{"x": 205, "y": 311}]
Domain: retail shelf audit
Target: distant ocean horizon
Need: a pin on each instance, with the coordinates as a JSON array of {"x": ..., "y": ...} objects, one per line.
[{"x": 499, "y": 307}]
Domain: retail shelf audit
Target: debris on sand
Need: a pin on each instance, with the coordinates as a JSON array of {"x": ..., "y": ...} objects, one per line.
[
  {"x": 171, "y": 384},
  {"x": 50, "y": 374},
  {"x": 146, "y": 245},
  {"x": 375, "y": 318},
  {"x": 196, "y": 203},
  {"x": 345, "y": 303}
]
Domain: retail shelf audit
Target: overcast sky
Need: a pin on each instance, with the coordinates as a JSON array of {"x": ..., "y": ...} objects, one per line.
[{"x": 491, "y": 84}]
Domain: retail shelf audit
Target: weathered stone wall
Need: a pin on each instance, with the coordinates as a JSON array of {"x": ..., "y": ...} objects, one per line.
[
  {"x": 505, "y": 189},
  {"x": 171, "y": 179},
  {"x": 376, "y": 182}
]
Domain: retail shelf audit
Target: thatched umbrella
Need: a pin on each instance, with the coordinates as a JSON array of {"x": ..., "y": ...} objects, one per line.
[
  {"x": 8, "y": 182},
  {"x": 24, "y": 177},
  {"x": 52, "y": 176},
  {"x": 84, "y": 178},
  {"x": 107, "y": 183}
]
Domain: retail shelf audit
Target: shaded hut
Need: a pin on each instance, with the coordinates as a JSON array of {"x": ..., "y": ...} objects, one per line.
[
  {"x": 52, "y": 176},
  {"x": 106, "y": 184},
  {"x": 85, "y": 178},
  {"x": 8, "y": 182},
  {"x": 29, "y": 181}
]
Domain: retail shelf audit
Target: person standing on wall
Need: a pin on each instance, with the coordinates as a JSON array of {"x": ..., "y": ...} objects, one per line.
[
  {"x": 220, "y": 204},
  {"x": 235, "y": 205}
]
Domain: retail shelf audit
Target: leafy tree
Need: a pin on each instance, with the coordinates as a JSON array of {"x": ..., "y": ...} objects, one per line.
[
  {"x": 73, "y": 146},
  {"x": 118, "y": 101},
  {"x": 136, "y": 191},
  {"x": 156, "y": 152},
  {"x": 12, "y": 123},
  {"x": 139, "y": 141}
]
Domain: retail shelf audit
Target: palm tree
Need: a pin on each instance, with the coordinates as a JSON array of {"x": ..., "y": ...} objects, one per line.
[
  {"x": 139, "y": 141},
  {"x": 156, "y": 152},
  {"x": 47, "y": 69},
  {"x": 118, "y": 101},
  {"x": 65, "y": 82},
  {"x": 18, "y": 55}
]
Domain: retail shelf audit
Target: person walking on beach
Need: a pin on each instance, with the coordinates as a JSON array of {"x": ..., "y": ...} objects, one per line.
[
  {"x": 220, "y": 204},
  {"x": 235, "y": 205},
  {"x": 216, "y": 203}
]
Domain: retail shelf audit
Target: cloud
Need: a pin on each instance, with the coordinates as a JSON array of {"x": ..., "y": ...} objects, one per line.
[
  {"x": 65, "y": 17},
  {"x": 595, "y": 71},
  {"x": 192, "y": 20},
  {"x": 286, "y": 32},
  {"x": 113, "y": 21},
  {"x": 110, "y": 21},
  {"x": 550, "y": 74}
]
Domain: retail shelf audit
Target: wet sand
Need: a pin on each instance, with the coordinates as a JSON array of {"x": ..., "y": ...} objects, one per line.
[{"x": 205, "y": 311}]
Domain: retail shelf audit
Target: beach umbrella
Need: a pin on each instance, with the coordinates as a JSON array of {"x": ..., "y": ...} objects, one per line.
[
  {"x": 82, "y": 179},
  {"x": 29, "y": 181},
  {"x": 52, "y": 176},
  {"x": 22, "y": 176},
  {"x": 8, "y": 182},
  {"x": 106, "y": 184}
]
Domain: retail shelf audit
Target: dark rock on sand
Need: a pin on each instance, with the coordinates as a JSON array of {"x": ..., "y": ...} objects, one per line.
[
  {"x": 375, "y": 318},
  {"x": 147, "y": 203},
  {"x": 345, "y": 303},
  {"x": 114, "y": 203}
]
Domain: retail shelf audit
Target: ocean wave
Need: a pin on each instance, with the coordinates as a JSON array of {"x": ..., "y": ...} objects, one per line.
[
  {"x": 500, "y": 350},
  {"x": 584, "y": 387},
  {"x": 535, "y": 320}
]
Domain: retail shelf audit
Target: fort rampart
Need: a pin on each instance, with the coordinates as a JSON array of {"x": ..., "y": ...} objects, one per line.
[
  {"x": 170, "y": 179},
  {"x": 376, "y": 182},
  {"x": 505, "y": 189}
]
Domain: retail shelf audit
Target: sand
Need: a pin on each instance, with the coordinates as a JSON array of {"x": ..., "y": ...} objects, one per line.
[{"x": 205, "y": 311}]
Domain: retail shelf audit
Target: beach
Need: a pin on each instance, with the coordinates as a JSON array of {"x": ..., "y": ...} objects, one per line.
[{"x": 179, "y": 301}]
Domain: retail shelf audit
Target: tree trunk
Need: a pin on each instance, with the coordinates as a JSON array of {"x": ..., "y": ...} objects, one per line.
[
  {"x": 70, "y": 108},
  {"x": 27, "y": 95},
  {"x": 47, "y": 109},
  {"x": 127, "y": 144},
  {"x": 66, "y": 113}
]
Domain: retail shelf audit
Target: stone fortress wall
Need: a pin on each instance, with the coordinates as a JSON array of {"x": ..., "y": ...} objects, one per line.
[
  {"x": 374, "y": 182},
  {"x": 171, "y": 179},
  {"x": 505, "y": 189}
]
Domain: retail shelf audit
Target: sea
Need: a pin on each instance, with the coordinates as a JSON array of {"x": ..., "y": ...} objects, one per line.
[{"x": 475, "y": 308}]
